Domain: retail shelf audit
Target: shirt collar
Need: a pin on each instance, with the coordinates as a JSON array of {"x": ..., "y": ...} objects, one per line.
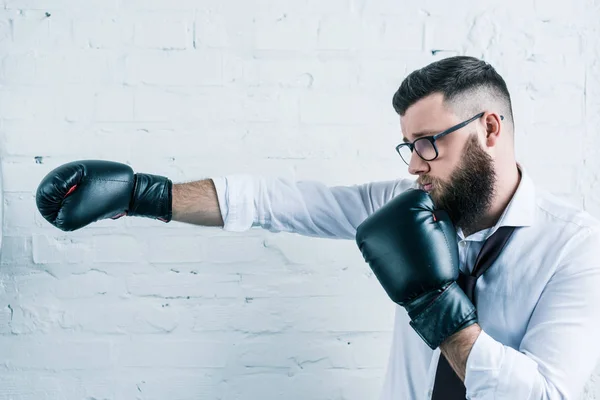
[{"x": 521, "y": 208}]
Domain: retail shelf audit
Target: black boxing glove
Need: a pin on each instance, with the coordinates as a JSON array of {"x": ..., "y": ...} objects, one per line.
[
  {"x": 81, "y": 192},
  {"x": 411, "y": 248}
]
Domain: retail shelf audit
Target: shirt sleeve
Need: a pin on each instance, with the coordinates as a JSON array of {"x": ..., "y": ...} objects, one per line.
[
  {"x": 309, "y": 208},
  {"x": 560, "y": 348}
]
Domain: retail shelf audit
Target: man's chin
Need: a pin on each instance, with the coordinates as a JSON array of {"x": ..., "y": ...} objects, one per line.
[{"x": 435, "y": 197}]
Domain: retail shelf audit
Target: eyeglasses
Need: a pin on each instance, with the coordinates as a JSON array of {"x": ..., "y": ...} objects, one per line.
[{"x": 425, "y": 146}]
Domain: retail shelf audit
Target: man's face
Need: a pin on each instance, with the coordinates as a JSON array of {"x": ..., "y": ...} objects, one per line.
[{"x": 461, "y": 179}]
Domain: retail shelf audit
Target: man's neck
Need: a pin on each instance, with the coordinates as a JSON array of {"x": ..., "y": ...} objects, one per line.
[{"x": 506, "y": 186}]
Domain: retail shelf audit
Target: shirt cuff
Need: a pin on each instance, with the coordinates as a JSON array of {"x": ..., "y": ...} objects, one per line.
[
  {"x": 496, "y": 371},
  {"x": 484, "y": 365},
  {"x": 235, "y": 194}
]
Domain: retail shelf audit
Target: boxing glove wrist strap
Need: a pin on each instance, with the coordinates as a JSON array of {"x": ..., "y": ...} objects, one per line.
[
  {"x": 152, "y": 197},
  {"x": 449, "y": 313}
]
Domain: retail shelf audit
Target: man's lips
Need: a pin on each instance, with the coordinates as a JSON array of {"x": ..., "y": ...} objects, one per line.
[{"x": 427, "y": 187}]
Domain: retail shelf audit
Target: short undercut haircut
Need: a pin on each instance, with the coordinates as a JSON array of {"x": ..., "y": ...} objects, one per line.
[{"x": 469, "y": 86}]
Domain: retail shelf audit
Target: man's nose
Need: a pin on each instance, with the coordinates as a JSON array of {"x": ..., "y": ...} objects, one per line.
[{"x": 417, "y": 165}]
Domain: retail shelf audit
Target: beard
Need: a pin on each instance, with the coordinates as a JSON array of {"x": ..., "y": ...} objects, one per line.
[{"x": 471, "y": 190}]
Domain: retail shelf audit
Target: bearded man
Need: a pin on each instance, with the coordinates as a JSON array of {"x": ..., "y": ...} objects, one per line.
[{"x": 496, "y": 281}]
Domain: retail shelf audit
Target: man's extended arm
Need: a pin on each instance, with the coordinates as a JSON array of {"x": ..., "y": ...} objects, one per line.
[
  {"x": 81, "y": 192},
  {"x": 197, "y": 203}
]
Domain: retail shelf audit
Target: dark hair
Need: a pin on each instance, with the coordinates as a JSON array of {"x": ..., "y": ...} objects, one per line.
[{"x": 452, "y": 77}]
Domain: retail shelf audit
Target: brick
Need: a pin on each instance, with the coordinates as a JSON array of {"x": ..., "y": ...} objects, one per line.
[
  {"x": 170, "y": 249},
  {"x": 6, "y": 314},
  {"x": 389, "y": 7},
  {"x": 529, "y": 144},
  {"x": 30, "y": 353},
  {"x": 76, "y": 104},
  {"x": 367, "y": 170},
  {"x": 19, "y": 211},
  {"x": 566, "y": 108},
  {"x": 235, "y": 249},
  {"x": 328, "y": 7},
  {"x": 262, "y": 106},
  {"x": 300, "y": 73},
  {"x": 299, "y": 250},
  {"x": 31, "y": 318},
  {"x": 103, "y": 32},
  {"x": 74, "y": 285},
  {"x": 559, "y": 12},
  {"x": 161, "y": 5},
  {"x": 315, "y": 352},
  {"x": 179, "y": 285},
  {"x": 104, "y": 315},
  {"x": 62, "y": 249},
  {"x": 159, "y": 105},
  {"x": 19, "y": 68},
  {"x": 48, "y": 385},
  {"x": 115, "y": 248},
  {"x": 299, "y": 284},
  {"x": 399, "y": 34},
  {"x": 251, "y": 105},
  {"x": 73, "y": 5},
  {"x": 370, "y": 33},
  {"x": 280, "y": 32},
  {"x": 114, "y": 105},
  {"x": 272, "y": 7},
  {"x": 557, "y": 178},
  {"x": 346, "y": 384},
  {"x": 384, "y": 75},
  {"x": 62, "y": 67},
  {"x": 165, "y": 353},
  {"x": 5, "y": 30},
  {"x": 180, "y": 384},
  {"x": 443, "y": 34},
  {"x": 344, "y": 32},
  {"x": 164, "y": 31},
  {"x": 30, "y": 386},
  {"x": 34, "y": 30},
  {"x": 344, "y": 109},
  {"x": 16, "y": 250},
  {"x": 314, "y": 314},
  {"x": 175, "y": 68},
  {"x": 27, "y": 103},
  {"x": 18, "y": 142},
  {"x": 216, "y": 30}
]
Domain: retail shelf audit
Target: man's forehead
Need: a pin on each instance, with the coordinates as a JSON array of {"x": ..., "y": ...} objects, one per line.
[
  {"x": 425, "y": 110},
  {"x": 426, "y": 123}
]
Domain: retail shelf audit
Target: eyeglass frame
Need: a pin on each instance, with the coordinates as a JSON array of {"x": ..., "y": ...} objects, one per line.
[{"x": 432, "y": 139}]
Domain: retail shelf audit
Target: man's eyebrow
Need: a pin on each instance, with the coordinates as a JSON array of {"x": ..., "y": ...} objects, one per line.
[{"x": 420, "y": 134}]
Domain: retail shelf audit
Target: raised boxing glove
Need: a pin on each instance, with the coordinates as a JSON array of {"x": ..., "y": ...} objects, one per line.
[
  {"x": 81, "y": 192},
  {"x": 411, "y": 248}
]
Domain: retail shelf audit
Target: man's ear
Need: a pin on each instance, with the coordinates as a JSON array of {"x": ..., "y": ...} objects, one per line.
[{"x": 493, "y": 128}]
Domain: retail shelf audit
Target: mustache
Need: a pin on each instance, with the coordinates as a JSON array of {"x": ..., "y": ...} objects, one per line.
[{"x": 426, "y": 181}]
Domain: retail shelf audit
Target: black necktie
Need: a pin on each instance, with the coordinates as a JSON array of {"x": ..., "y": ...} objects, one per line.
[{"x": 447, "y": 385}]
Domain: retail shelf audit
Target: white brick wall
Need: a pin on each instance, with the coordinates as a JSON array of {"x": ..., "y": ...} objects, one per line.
[{"x": 133, "y": 309}]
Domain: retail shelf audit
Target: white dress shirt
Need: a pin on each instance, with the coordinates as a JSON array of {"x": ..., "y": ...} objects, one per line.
[{"x": 538, "y": 305}]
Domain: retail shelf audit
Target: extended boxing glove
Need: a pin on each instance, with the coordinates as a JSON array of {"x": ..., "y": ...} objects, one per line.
[
  {"x": 81, "y": 192},
  {"x": 411, "y": 248}
]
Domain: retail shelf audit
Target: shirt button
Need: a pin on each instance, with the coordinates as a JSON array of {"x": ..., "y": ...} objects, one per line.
[{"x": 463, "y": 243}]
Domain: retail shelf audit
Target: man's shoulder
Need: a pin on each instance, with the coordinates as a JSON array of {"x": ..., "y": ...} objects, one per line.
[{"x": 565, "y": 213}]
